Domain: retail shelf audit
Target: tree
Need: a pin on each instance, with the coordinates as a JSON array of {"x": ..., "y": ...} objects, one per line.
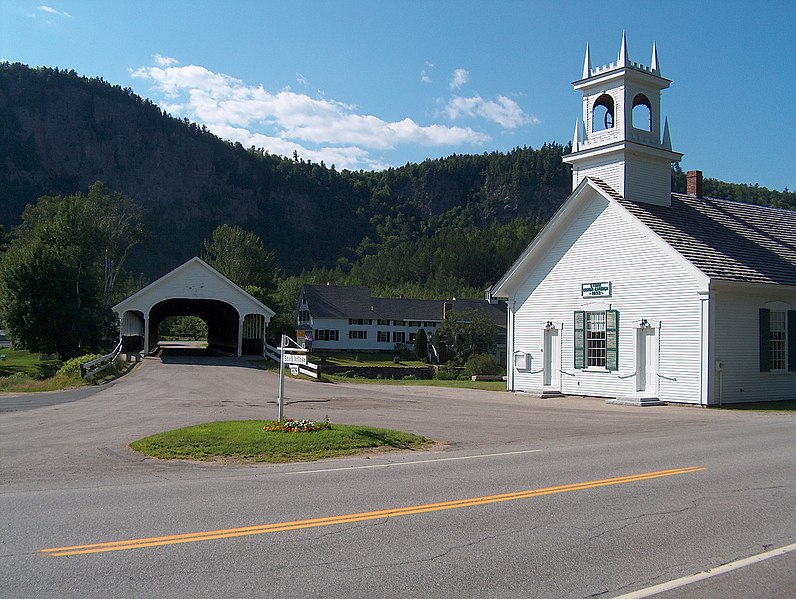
[
  {"x": 468, "y": 332},
  {"x": 241, "y": 256},
  {"x": 58, "y": 274},
  {"x": 5, "y": 239},
  {"x": 421, "y": 345},
  {"x": 48, "y": 302}
]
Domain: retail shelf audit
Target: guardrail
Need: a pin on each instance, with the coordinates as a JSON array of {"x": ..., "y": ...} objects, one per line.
[
  {"x": 309, "y": 369},
  {"x": 100, "y": 364}
]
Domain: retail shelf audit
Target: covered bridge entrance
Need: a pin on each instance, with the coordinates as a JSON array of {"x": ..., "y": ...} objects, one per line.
[{"x": 236, "y": 321}]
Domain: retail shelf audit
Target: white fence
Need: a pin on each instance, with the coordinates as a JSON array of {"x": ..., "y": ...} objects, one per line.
[{"x": 100, "y": 364}]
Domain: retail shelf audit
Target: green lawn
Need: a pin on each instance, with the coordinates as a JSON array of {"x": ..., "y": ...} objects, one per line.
[
  {"x": 245, "y": 440},
  {"x": 457, "y": 384},
  {"x": 362, "y": 359},
  {"x": 20, "y": 361},
  {"x": 22, "y": 372}
]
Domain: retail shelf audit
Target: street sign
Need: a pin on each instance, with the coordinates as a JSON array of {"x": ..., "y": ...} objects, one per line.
[{"x": 296, "y": 359}]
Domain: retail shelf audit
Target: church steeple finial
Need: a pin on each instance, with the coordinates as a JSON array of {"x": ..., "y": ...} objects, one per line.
[
  {"x": 576, "y": 137},
  {"x": 667, "y": 138},
  {"x": 622, "y": 60},
  {"x": 654, "y": 63},
  {"x": 587, "y": 64}
]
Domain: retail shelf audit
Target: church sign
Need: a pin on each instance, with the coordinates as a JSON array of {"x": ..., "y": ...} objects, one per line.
[{"x": 601, "y": 289}]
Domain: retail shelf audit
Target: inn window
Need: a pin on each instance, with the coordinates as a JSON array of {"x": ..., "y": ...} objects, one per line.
[
  {"x": 327, "y": 335},
  {"x": 383, "y": 336},
  {"x": 357, "y": 334},
  {"x": 399, "y": 337}
]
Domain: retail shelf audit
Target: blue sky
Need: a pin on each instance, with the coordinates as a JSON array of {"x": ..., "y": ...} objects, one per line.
[{"x": 371, "y": 84}]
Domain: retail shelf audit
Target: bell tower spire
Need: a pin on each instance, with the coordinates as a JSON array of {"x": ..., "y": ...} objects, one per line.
[{"x": 621, "y": 140}]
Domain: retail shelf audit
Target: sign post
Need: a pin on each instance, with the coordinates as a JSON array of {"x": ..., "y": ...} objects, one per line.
[{"x": 295, "y": 355}]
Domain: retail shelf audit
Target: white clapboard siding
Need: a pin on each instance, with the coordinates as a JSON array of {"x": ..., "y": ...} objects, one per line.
[
  {"x": 736, "y": 344},
  {"x": 603, "y": 243}
]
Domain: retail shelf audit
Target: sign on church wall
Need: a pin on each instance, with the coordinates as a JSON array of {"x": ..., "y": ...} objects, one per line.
[{"x": 601, "y": 289}]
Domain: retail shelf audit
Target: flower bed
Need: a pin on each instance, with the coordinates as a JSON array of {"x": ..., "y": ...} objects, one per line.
[{"x": 290, "y": 425}]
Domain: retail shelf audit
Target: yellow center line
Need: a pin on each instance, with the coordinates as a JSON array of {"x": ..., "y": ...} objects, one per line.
[{"x": 357, "y": 517}]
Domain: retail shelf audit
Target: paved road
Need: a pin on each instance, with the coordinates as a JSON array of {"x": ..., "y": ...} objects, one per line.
[{"x": 67, "y": 478}]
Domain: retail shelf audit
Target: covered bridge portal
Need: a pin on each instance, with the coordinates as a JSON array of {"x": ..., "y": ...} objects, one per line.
[{"x": 236, "y": 321}]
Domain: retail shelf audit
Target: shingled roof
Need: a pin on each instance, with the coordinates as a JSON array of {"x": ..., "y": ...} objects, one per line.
[
  {"x": 332, "y": 301},
  {"x": 726, "y": 240}
]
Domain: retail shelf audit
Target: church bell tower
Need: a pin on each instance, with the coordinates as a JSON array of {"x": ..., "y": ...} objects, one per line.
[{"x": 619, "y": 139}]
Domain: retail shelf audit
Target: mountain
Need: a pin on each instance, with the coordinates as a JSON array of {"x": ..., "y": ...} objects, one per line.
[{"x": 60, "y": 132}]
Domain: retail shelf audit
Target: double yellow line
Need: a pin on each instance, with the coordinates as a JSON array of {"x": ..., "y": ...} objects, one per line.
[{"x": 358, "y": 517}]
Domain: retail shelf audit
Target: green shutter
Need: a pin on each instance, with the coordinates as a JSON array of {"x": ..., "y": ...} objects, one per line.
[
  {"x": 580, "y": 339},
  {"x": 612, "y": 340},
  {"x": 765, "y": 340},
  {"x": 792, "y": 340}
]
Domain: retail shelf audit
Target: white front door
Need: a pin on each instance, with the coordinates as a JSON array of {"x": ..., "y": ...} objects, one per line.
[
  {"x": 552, "y": 360},
  {"x": 647, "y": 361}
]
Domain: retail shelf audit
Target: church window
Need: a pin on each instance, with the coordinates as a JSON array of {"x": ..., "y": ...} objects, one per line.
[
  {"x": 597, "y": 340},
  {"x": 602, "y": 115},
  {"x": 777, "y": 340}
]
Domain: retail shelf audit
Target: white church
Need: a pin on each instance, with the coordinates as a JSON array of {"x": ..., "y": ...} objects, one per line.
[{"x": 640, "y": 295}]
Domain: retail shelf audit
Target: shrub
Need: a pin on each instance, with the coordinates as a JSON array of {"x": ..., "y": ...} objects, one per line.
[
  {"x": 401, "y": 350},
  {"x": 447, "y": 372},
  {"x": 482, "y": 364},
  {"x": 71, "y": 368}
]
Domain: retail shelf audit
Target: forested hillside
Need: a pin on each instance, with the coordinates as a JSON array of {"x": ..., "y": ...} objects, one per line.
[{"x": 444, "y": 226}]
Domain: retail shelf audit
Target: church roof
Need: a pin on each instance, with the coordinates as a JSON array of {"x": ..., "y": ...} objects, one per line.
[{"x": 726, "y": 240}]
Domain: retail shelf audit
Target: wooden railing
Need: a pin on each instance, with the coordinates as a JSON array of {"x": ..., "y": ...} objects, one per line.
[{"x": 100, "y": 364}]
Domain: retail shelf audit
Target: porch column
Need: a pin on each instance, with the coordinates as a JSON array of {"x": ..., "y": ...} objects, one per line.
[
  {"x": 240, "y": 336},
  {"x": 146, "y": 335}
]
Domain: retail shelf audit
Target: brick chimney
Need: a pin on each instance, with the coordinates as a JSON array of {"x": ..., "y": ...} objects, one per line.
[{"x": 694, "y": 183}]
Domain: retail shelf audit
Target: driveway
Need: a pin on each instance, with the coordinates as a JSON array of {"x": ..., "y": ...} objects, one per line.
[{"x": 81, "y": 436}]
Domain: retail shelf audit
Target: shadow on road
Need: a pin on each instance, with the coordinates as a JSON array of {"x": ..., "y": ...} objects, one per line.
[{"x": 199, "y": 356}]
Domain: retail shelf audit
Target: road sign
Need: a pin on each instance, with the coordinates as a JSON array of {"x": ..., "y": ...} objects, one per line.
[{"x": 296, "y": 359}]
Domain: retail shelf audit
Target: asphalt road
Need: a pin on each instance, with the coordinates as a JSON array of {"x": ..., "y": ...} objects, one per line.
[{"x": 557, "y": 498}]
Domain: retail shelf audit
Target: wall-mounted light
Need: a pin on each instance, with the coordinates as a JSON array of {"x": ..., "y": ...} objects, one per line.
[
  {"x": 644, "y": 324},
  {"x": 549, "y": 325}
]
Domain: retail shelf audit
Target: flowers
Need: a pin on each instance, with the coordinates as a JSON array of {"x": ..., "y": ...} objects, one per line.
[{"x": 290, "y": 425}]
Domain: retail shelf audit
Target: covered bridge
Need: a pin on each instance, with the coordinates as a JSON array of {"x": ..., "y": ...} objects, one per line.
[{"x": 236, "y": 321}]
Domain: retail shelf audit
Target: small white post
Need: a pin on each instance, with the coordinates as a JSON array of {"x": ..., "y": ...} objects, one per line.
[{"x": 281, "y": 398}]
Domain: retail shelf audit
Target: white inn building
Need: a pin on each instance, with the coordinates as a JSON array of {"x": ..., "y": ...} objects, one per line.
[{"x": 634, "y": 293}]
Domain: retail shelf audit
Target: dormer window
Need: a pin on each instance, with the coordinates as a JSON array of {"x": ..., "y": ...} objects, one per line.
[{"x": 602, "y": 114}]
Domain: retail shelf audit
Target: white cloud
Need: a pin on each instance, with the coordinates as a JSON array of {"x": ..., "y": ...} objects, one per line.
[
  {"x": 165, "y": 61},
  {"x": 503, "y": 111},
  {"x": 284, "y": 121},
  {"x": 425, "y": 77},
  {"x": 459, "y": 78},
  {"x": 51, "y": 11},
  {"x": 301, "y": 79}
]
